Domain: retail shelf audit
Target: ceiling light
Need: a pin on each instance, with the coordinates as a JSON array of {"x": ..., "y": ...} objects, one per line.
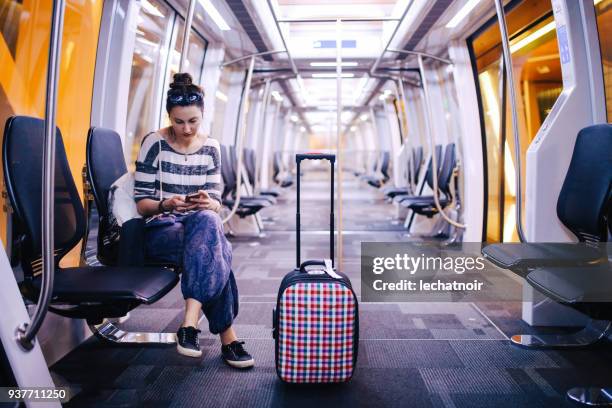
[
  {"x": 333, "y": 64},
  {"x": 151, "y": 9},
  {"x": 543, "y": 69},
  {"x": 332, "y": 75},
  {"x": 294, "y": 118},
  {"x": 465, "y": 10},
  {"x": 214, "y": 15},
  {"x": 353, "y": 128},
  {"x": 364, "y": 117},
  {"x": 277, "y": 96},
  {"x": 302, "y": 129},
  {"x": 221, "y": 95},
  {"x": 532, "y": 37}
]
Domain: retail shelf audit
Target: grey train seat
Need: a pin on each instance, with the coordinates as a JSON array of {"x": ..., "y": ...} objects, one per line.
[
  {"x": 91, "y": 293},
  {"x": 428, "y": 177},
  {"x": 414, "y": 169},
  {"x": 248, "y": 205},
  {"x": 580, "y": 278},
  {"x": 378, "y": 180},
  {"x": 283, "y": 180},
  {"x": 425, "y": 205},
  {"x": 233, "y": 160},
  {"x": 104, "y": 164},
  {"x": 583, "y": 206},
  {"x": 250, "y": 163}
]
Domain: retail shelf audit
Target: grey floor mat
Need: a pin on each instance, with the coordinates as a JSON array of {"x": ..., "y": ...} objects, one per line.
[{"x": 410, "y": 354}]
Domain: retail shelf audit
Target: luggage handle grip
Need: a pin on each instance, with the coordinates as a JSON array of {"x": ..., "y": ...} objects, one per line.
[
  {"x": 325, "y": 262},
  {"x": 314, "y": 156},
  {"x": 311, "y": 262}
]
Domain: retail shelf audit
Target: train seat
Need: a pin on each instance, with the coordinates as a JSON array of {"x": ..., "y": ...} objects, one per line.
[
  {"x": 425, "y": 205},
  {"x": 104, "y": 164},
  {"x": 414, "y": 167},
  {"x": 579, "y": 278},
  {"x": 91, "y": 293},
  {"x": 584, "y": 207},
  {"x": 428, "y": 177},
  {"x": 587, "y": 289},
  {"x": 250, "y": 163},
  {"x": 248, "y": 205},
  {"x": 233, "y": 160},
  {"x": 283, "y": 179},
  {"x": 521, "y": 258},
  {"x": 377, "y": 180}
]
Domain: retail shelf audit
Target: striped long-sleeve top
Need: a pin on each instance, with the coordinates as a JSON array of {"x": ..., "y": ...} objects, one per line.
[{"x": 180, "y": 173}]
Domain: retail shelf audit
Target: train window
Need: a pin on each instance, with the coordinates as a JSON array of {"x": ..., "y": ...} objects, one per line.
[
  {"x": 603, "y": 9},
  {"x": 537, "y": 70},
  {"x": 24, "y": 37},
  {"x": 221, "y": 97},
  {"x": 152, "y": 38},
  {"x": 193, "y": 64}
]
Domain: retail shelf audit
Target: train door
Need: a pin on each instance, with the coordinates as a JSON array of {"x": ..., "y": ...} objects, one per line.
[{"x": 537, "y": 68}]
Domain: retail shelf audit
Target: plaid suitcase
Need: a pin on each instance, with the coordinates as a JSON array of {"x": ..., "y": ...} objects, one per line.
[{"x": 316, "y": 321}]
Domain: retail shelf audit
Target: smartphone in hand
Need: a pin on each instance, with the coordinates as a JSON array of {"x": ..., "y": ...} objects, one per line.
[{"x": 190, "y": 197}]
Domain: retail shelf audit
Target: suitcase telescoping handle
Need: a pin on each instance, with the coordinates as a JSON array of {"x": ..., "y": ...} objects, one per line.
[{"x": 314, "y": 156}]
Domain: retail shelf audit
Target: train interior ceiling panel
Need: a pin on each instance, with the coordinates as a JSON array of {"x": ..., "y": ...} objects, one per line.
[{"x": 252, "y": 203}]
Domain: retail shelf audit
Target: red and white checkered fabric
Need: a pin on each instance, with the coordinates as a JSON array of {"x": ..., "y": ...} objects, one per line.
[{"x": 316, "y": 333}]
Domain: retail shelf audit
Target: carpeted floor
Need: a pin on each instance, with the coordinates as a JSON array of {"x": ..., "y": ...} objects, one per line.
[{"x": 411, "y": 354}]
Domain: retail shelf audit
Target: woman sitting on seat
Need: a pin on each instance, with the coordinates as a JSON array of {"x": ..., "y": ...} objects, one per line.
[{"x": 177, "y": 186}]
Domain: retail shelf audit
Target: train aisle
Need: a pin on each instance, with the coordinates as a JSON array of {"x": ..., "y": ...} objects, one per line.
[{"x": 411, "y": 354}]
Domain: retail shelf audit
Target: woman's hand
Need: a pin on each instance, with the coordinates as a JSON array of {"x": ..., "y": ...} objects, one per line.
[
  {"x": 203, "y": 202},
  {"x": 175, "y": 203}
]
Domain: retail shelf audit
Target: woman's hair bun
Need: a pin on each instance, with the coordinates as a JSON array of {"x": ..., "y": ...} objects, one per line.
[{"x": 181, "y": 79}]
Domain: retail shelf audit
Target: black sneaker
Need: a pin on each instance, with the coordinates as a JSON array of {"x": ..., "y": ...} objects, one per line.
[
  {"x": 236, "y": 356},
  {"x": 188, "y": 342}
]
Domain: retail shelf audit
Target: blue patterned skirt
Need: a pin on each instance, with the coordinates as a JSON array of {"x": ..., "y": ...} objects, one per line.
[{"x": 196, "y": 242}]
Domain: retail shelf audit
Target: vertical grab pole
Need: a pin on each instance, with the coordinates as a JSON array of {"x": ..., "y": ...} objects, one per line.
[
  {"x": 432, "y": 145},
  {"x": 27, "y": 332},
  {"x": 186, "y": 31},
  {"x": 240, "y": 131},
  {"x": 407, "y": 142},
  {"x": 501, "y": 19}
]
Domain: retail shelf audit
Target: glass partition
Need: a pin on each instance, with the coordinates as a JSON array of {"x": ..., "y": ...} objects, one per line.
[{"x": 24, "y": 45}]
